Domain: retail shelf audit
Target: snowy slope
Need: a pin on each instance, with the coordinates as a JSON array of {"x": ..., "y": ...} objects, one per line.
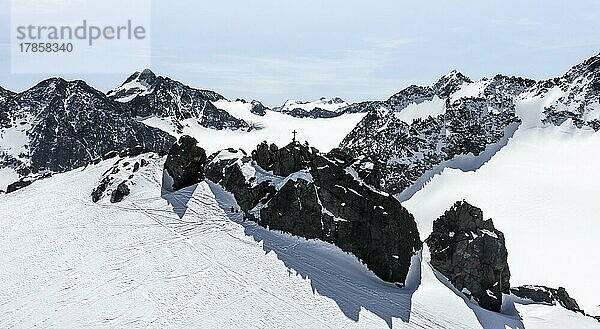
[
  {"x": 179, "y": 260},
  {"x": 414, "y": 111},
  {"x": 541, "y": 191},
  {"x": 332, "y": 104},
  {"x": 276, "y": 127},
  {"x": 150, "y": 262}
]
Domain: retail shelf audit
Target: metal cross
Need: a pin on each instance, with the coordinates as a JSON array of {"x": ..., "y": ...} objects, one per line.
[{"x": 294, "y": 132}]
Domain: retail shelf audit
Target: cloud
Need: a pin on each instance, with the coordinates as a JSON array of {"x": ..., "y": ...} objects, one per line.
[{"x": 355, "y": 70}]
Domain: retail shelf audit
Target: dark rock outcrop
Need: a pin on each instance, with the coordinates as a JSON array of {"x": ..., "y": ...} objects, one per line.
[
  {"x": 258, "y": 108},
  {"x": 264, "y": 155},
  {"x": 315, "y": 113},
  {"x": 18, "y": 185},
  {"x": 286, "y": 160},
  {"x": 471, "y": 253},
  {"x": 120, "y": 192},
  {"x": 545, "y": 295},
  {"x": 225, "y": 168},
  {"x": 185, "y": 163},
  {"x": 318, "y": 196}
]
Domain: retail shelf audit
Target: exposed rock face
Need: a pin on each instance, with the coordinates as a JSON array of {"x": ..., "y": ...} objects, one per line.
[
  {"x": 286, "y": 160},
  {"x": 258, "y": 108},
  {"x": 370, "y": 224},
  {"x": 185, "y": 162},
  {"x": 579, "y": 100},
  {"x": 17, "y": 185},
  {"x": 66, "y": 124},
  {"x": 120, "y": 192},
  {"x": 264, "y": 155},
  {"x": 144, "y": 94},
  {"x": 361, "y": 168},
  {"x": 315, "y": 113},
  {"x": 543, "y": 294},
  {"x": 470, "y": 126},
  {"x": 321, "y": 197},
  {"x": 228, "y": 167},
  {"x": 471, "y": 253}
]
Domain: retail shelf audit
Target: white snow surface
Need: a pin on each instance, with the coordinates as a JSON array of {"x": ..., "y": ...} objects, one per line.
[
  {"x": 180, "y": 260},
  {"x": 433, "y": 108},
  {"x": 324, "y": 134},
  {"x": 322, "y": 103},
  {"x": 541, "y": 191},
  {"x": 14, "y": 143},
  {"x": 472, "y": 89}
]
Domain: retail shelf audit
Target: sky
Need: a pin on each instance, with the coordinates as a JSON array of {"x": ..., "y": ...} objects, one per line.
[{"x": 275, "y": 50}]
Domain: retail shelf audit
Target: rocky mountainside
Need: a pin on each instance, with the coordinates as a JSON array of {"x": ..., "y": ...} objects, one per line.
[
  {"x": 298, "y": 190},
  {"x": 6, "y": 97},
  {"x": 59, "y": 125},
  {"x": 577, "y": 96},
  {"x": 145, "y": 94},
  {"x": 445, "y": 86},
  {"x": 471, "y": 123},
  {"x": 460, "y": 123},
  {"x": 321, "y": 108}
]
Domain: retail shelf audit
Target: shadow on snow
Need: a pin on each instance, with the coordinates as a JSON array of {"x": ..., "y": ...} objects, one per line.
[
  {"x": 508, "y": 318},
  {"x": 176, "y": 199},
  {"x": 332, "y": 272}
]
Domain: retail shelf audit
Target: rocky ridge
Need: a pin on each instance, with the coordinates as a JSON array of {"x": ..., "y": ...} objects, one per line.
[
  {"x": 144, "y": 94},
  {"x": 60, "y": 125},
  {"x": 579, "y": 96},
  {"x": 298, "y": 190},
  {"x": 472, "y": 125},
  {"x": 543, "y": 294}
]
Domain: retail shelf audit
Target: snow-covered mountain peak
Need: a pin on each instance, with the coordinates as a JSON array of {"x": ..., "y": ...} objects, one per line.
[
  {"x": 321, "y": 108},
  {"x": 146, "y": 83},
  {"x": 450, "y": 82},
  {"x": 138, "y": 81},
  {"x": 137, "y": 84},
  {"x": 331, "y": 101},
  {"x": 574, "y": 98}
]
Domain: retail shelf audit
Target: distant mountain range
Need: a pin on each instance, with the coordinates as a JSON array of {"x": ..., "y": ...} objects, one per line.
[{"x": 59, "y": 125}]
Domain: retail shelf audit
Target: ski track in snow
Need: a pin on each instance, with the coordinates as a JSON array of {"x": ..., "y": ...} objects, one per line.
[{"x": 180, "y": 260}]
